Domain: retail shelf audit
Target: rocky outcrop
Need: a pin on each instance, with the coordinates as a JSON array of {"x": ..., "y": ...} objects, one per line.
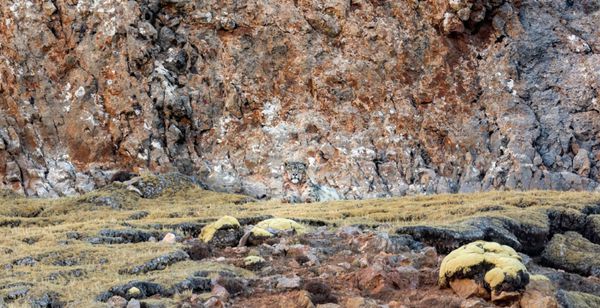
[
  {"x": 573, "y": 253},
  {"x": 377, "y": 98}
]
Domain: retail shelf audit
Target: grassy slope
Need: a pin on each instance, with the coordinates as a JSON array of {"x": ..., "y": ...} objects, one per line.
[{"x": 47, "y": 221}]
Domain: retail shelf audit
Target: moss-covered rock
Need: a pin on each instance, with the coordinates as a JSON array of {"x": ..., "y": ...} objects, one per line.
[
  {"x": 277, "y": 225},
  {"x": 574, "y": 253},
  {"x": 260, "y": 233},
  {"x": 592, "y": 228},
  {"x": 254, "y": 262},
  {"x": 528, "y": 236},
  {"x": 570, "y": 299},
  {"x": 226, "y": 231},
  {"x": 497, "y": 267}
]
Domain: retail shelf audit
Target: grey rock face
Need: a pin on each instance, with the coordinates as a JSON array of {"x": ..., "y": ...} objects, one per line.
[{"x": 377, "y": 99}]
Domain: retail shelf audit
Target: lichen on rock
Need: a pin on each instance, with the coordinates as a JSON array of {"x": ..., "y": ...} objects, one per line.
[
  {"x": 500, "y": 267},
  {"x": 275, "y": 225},
  {"x": 225, "y": 222}
]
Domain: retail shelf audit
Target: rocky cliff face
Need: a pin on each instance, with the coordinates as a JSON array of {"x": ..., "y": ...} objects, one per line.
[{"x": 377, "y": 98}]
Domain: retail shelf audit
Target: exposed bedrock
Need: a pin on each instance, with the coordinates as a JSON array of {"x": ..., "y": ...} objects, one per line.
[{"x": 377, "y": 98}]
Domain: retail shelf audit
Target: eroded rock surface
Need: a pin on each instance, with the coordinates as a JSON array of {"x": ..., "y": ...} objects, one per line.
[{"x": 377, "y": 98}]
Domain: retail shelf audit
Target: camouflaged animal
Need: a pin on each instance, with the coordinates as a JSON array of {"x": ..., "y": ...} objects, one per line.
[{"x": 297, "y": 187}]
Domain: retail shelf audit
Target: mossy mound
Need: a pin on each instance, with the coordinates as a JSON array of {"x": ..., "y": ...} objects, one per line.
[
  {"x": 276, "y": 225},
  {"x": 224, "y": 232},
  {"x": 253, "y": 261},
  {"x": 500, "y": 267},
  {"x": 260, "y": 233}
]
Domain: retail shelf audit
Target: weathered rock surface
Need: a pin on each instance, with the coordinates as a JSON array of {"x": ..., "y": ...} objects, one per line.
[
  {"x": 574, "y": 253},
  {"x": 377, "y": 98},
  {"x": 577, "y": 300}
]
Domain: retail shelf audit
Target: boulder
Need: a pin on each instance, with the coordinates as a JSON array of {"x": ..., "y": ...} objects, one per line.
[
  {"x": 574, "y": 253},
  {"x": 269, "y": 228},
  {"x": 224, "y": 232},
  {"x": 278, "y": 225},
  {"x": 497, "y": 268}
]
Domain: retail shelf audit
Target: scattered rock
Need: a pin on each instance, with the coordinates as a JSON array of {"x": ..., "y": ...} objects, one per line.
[
  {"x": 134, "y": 303},
  {"x": 288, "y": 283},
  {"x": 117, "y": 302},
  {"x": 138, "y": 215},
  {"x": 126, "y": 235},
  {"x": 146, "y": 289},
  {"x": 26, "y": 261},
  {"x": 169, "y": 239}
]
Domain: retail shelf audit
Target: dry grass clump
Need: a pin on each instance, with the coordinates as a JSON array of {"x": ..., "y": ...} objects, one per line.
[{"x": 79, "y": 270}]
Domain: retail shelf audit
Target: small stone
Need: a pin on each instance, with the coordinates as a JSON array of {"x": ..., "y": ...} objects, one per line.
[
  {"x": 220, "y": 292},
  {"x": 169, "y": 239},
  {"x": 117, "y": 302},
  {"x": 134, "y": 303},
  {"x": 288, "y": 283}
]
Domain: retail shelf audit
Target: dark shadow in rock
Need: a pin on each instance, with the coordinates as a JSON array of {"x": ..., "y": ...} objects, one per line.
[
  {"x": 320, "y": 293},
  {"x": 198, "y": 250}
]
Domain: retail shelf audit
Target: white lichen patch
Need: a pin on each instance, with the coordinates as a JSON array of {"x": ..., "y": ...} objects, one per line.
[
  {"x": 80, "y": 92},
  {"x": 270, "y": 111}
]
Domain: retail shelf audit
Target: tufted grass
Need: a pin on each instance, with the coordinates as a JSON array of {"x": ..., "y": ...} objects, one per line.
[{"x": 44, "y": 223}]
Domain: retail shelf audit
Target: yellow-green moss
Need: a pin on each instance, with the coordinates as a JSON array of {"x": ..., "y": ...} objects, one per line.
[
  {"x": 251, "y": 260},
  {"x": 505, "y": 261},
  {"x": 281, "y": 224},
  {"x": 260, "y": 232},
  {"x": 538, "y": 278},
  {"x": 135, "y": 292},
  {"x": 209, "y": 231}
]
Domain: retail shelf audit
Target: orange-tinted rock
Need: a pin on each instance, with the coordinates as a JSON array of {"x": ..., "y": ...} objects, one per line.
[
  {"x": 376, "y": 98},
  {"x": 539, "y": 293},
  {"x": 466, "y": 288}
]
